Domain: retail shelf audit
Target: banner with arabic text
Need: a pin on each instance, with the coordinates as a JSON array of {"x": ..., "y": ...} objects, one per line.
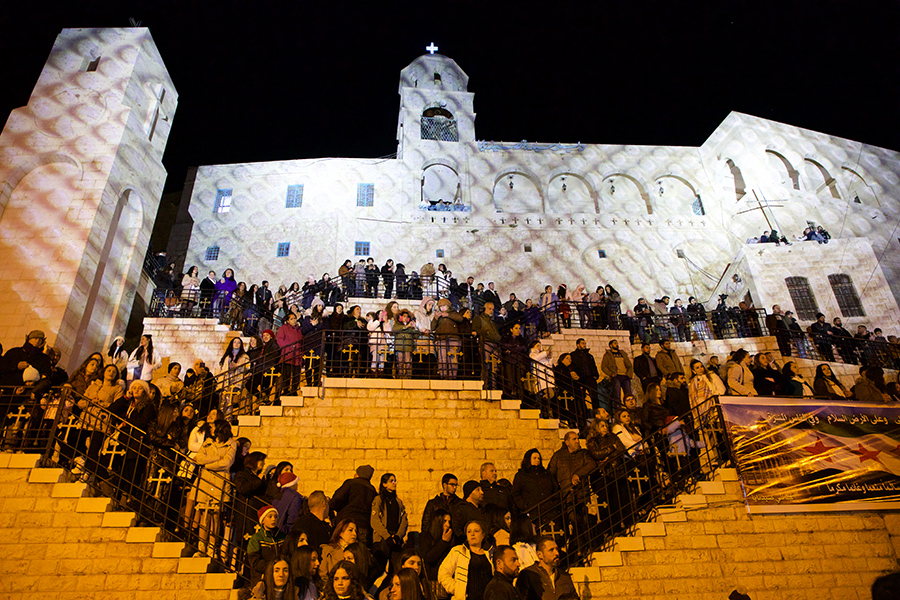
[{"x": 798, "y": 454}]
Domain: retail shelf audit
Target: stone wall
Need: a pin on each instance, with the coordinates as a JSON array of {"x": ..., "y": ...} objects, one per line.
[
  {"x": 418, "y": 432},
  {"x": 184, "y": 340}
]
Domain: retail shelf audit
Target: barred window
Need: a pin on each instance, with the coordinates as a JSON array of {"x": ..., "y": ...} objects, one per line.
[
  {"x": 212, "y": 253},
  {"x": 438, "y": 124},
  {"x": 365, "y": 194},
  {"x": 361, "y": 249},
  {"x": 802, "y": 297},
  {"x": 294, "y": 196},
  {"x": 845, "y": 293},
  {"x": 284, "y": 249},
  {"x": 223, "y": 201}
]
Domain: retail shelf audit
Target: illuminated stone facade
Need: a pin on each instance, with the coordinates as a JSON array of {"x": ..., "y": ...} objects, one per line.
[
  {"x": 529, "y": 214},
  {"x": 80, "y": 181}
]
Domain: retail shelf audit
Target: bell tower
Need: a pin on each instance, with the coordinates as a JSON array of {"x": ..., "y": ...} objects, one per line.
[
  {"x": 436, "y": 110},
  {"x": 81, "y": 176}
]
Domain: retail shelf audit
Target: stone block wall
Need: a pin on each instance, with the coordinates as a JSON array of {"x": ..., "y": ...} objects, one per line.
[
  {"x": 184, "y": 340},
  {"x": 417, "y": 434},
  {"x": 706, "y": 551}
]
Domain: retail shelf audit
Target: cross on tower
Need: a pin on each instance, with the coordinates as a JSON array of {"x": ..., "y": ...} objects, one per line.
[
  {"x": 159, "y": 480},
  {"x": 111, "y": 448},
  {"x": 71, "y": 423},
  {"x": 638, "y": 478},
  {"x": 431, "y": 48}
]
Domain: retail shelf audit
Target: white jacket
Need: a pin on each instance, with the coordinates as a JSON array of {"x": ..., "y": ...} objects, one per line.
[
  {"x": 146, "y": 367},
  {"x": 453, "y": 574}
]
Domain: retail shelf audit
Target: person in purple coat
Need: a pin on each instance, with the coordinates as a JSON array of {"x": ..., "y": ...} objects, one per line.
[
  {"x": 224, "y": 290},
  {"x": 289, "y": 337}
]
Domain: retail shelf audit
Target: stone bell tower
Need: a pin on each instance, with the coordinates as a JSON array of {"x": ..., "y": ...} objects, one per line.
[{"x": 81, "y": 176}]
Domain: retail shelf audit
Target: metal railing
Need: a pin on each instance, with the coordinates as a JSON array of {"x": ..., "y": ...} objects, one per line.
[
  {"x": 631, "y": 484},
  {"x": 831, "y": 348}
]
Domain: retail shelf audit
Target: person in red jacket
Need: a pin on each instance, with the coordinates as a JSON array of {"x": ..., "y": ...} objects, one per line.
[{"x": 289, "y": 337}]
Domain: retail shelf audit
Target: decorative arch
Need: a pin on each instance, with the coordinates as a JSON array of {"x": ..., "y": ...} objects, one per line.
[
  {"x": 859, "y": 191},
  {"x": 27, "y": 165},
  {"x": 822, "y": 182},
  {"x": 526, "y": 195},
  {"x": 639, "y": 185},
  {"x": 778, "y": 161},
  {"x": 740, "y": 188},
  {"x": 686, "y": 198},
  {"x": 578, "y": 195},
  {"x": 441, "y": 188}
]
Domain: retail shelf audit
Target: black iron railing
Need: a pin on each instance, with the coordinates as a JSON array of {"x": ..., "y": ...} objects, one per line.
[
  {"x": 832, "y": 348},
  {"x": 632, "y": 483}
]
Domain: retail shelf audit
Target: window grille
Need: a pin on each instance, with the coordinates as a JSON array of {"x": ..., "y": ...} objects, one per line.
[
  {"x": 697, "y": 206},
  {"x": 361, "y": 249},
  {"x": 439, "y": 128},
  {"x": 802, "y": 297},
  {"x": 439, "y": 253},
  {"x": 212, "y": 253},
  {"x": 845, "y": 293},
  {"x": 601, "y": 253},
  {"x": 294, "y": 196},
  {"x": 527, "y": 248},
  {"x": 284, "y": 249},
  {"x": 223, "y": 201},
  {"x": 365, "y": 194}
]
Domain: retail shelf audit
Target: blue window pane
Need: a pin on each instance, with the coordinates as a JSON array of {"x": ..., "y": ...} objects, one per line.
[
  {"x": 361, "y": 249},
  {"x": 284, "y": 249},
  {"x": 365, "y": 194},
  {"x": 212, "y": 253},
  {"x": 294, "y": 196},
  {"x": 223, "y": 201}
]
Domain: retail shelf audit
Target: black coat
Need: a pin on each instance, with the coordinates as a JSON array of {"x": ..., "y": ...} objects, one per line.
[
  {"x": 439, "y": 502},
  {"x": 353, "y": 500},
  {"x": 532, "y": 486},
  {"x": 584, "y": 364},
  {"x": 317, "y": 531}
]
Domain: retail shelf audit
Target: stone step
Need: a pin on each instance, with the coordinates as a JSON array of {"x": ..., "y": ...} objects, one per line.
[
  {"x": 584, "y": 575},
  {"x": 68, "y": 490},
  {"x": 606, "y": 559},
  {"x": 168, "y": 550},
  {"x": 671, "y": 514},
  {"x": 93, "y": 505},
  {"x": 45, "y": 475},
  {"x": 293, "y": 401},
  {"x": 118, "y": 519},
  {"x": 193, "y": 565},
  {"x": 272, "y": 411},
  {"x": 510, "y": 404},
  {"x": 249, "y": 420},
  {"x": 309, "y": 392},
  {"x": 629, "y": 544},
  {"x": 548, "y": 423},
  {"x": 492, "y": 395},
  {"x": 692, "y": 500},
  {"x": 563, "y": 432},
  {"x": 219, "y": 581},
  {"x": 710, "y": 488},
  {"x": 142, "y": 535},
  {"x": 651, "y": 529},
  {"x": 727, "y": 474},
  {"x": 19, "y": 461}
]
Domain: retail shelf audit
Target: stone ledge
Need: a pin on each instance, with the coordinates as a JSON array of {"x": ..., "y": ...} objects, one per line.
[
  {"x": 92, "y": 505},
  {"x": 249, "y": 420},
  {"x": 118, "y": 519},
  {"x": 726, "y": 474},
  {"x": 273, "y": 411},
  {"x": 606, "y": 559},
  {"x": 68, "y": 490},
  {"x": 510, "y": 404},
  {"x": 168, "y": 550},
  {"x": 548, "y": 424},
  {"x": 651, "y": 529},
  {"x": 528, "y": 413},
  {"x": 292, "y": 401},
  {"x": 219, "y": 581},
  {"x": 692, "y": 500},
  {"x": 21, "y": 461},
  {"x": 141, "y": 535},
  {"x": 415, "y": 384},
  {"x": 585, "y": 575},
  {"x": 45, "y": 475},
  {"x": 309, "y": 392},
  {"x": 671, "y": 514},
  {"x": 710, "y": 488},
  {"x": 193, "y": 565},
  {"x": 629, "y": 544}
]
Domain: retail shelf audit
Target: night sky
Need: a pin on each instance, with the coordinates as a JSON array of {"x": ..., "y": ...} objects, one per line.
[{"x": 260, "y": 81}]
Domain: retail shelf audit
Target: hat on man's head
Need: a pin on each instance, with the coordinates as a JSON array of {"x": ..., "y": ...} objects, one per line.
[
  {"x": 469, "y": 487},
  {"x": 265, "y": 510},
  {"x": 444, "y": 302},
  {"x": 287, "y": 479},
  {"x": 36, "y": 334},
  {"x": 365, "y": 471}
]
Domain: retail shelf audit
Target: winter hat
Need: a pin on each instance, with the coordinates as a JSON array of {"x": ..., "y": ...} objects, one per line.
[
  {"x": 287, "y": 479},
  {"x": 36, "y": 334},
  {"x": 365, "y": 471},
  {"x": 270, "y": 332},
  {"x": 469, "y": 487},
  {"x": 669, "y": 419},
  {"x": 261, "y": 513},
  {"x": 443, "y": 302}
]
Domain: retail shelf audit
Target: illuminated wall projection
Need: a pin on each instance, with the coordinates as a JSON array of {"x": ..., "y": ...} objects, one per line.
[
  {"x": 80, "y": 181},
  {"x": 667, "y": 219}
]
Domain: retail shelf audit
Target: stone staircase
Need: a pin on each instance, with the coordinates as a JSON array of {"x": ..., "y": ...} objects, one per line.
[
  {"x": 58, "y": 543},
  {"x": 706, "y": 545}
]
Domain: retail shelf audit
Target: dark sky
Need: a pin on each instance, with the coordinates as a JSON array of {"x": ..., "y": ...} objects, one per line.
[{"x": 267, "y": 80}]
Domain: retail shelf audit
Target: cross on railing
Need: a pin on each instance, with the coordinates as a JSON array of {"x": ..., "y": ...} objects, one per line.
[
  {"x": 494, "y": 360},
  {"x": 551, "y": 531},
  {"x": 349, "y": 351},
  {"x": 673, "y": 453},
  {"x": 111, "y": 449},
  {"x": 457, "y": 353},
  {"x": 420, "y": 352},
  {"x": 385, "y": 350},
  {"x": 272, "y": 375},
  {"x": 594, "y": 505},
  {"x": 231, "y": 393},
  {"x": 71, "y": 423},
  {"x": 21, "y": 415},
  {"x": 565, "y": 397},
  {"x": 309, "y": 358},
  {"x": 159, "y": 480},
  {"x": 638, "y": 478}
]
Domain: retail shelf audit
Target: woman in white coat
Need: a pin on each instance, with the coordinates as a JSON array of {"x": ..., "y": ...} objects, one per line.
[
  {"x": 468, "y": 568},
  {"x": 143, "y": 361}
]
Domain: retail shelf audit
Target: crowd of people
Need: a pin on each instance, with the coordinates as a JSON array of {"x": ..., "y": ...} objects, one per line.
[{"x": 810, "y": 234}]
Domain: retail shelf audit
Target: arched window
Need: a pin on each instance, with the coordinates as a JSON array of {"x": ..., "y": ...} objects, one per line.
[
  {"x": 740, "y": 189},
  {"x": 438, "y": 124},
  {"x": 845, "y": 293},
  {"x": 786, "y": 171},
  {"x": 860, "y": 191},
  {"x": 802, "y": 297},
  {"x": 822, "y": 182}
]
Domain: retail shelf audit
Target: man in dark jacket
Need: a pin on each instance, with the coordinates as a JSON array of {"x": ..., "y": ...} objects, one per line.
[
  {"x": 207, "y": 291},
  {"x": 646, "y": 369},
  {"x": 469, "y": 509},
  {"x": 544, "y": 579},
  {"x": 318, "y": 530},
  {"x": 585, "y": 366},
  {"x": 506, "y": 568},
  {"x": 491, "y": 295},
  {"x": 353, "y": 500},
  {"x": 136, "y": 413},
  {"x": 495, "y": 491},
  {"x": 777, "y": 327},
  {"x": 29, "y": 354},
  {"x": 571, "y": 463},
  {"x": 446, "y": 500}
]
